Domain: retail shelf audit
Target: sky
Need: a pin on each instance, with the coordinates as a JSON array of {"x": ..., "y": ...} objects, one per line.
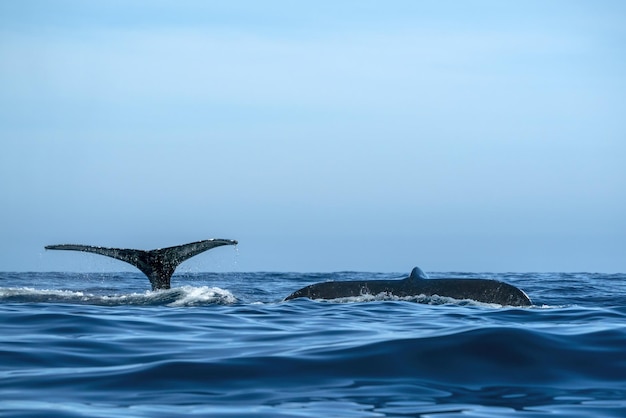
[{"x": 478, "y": 136}]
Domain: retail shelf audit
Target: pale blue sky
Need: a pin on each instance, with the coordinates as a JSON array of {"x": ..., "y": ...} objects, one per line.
[{"x": 353, "y": 135}]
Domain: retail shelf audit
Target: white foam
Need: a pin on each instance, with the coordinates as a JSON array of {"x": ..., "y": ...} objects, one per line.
[
  {"x": 203, "y": 295},
  {"x": 181, "y": 296},
  {"x": 429, "y": 300},
  {"x": 37, "y": 295}
]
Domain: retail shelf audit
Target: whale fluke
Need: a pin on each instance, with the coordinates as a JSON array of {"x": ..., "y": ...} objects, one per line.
[{"x": 159, "y": 264}]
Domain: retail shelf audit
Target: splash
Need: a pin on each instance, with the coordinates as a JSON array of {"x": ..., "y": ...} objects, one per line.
[{"x": 204, "y": 295}]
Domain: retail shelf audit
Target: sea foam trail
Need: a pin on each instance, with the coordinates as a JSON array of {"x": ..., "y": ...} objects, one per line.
[{"x": 180, "y": 296}]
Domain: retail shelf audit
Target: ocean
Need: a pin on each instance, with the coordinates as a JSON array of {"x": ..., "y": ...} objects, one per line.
[{"x": 226, "y": 345}]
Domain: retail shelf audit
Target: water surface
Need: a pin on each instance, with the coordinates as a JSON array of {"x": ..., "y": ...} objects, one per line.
[{"x": 102, "y": 345}]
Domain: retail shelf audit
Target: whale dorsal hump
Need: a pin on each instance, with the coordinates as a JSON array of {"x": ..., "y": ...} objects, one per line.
[{"x": 417, "y": 273}]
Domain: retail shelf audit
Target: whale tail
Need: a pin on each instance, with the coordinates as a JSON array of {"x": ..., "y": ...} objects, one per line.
[{"x": 159, "y": 264}]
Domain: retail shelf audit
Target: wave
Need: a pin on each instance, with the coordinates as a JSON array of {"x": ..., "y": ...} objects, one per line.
[
  {"x": 180, "y": 296},
  {"x": 492, "y": 366}
]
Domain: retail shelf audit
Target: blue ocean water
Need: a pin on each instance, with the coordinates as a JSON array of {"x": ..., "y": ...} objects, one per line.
[{"x": 226, "y": 345}]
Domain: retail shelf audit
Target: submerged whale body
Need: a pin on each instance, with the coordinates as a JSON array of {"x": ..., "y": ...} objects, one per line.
[
  {"x": 159, "y": 264},
  {"x": 418, "y": 283}
]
